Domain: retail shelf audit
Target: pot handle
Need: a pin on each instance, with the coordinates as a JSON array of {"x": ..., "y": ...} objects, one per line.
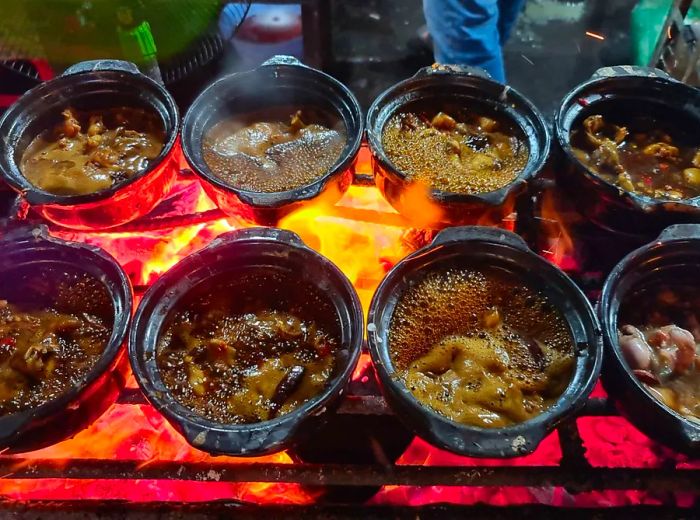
[
  {"x": 691, "y": 436},
  {"x": 465, "y": 70},
  {"x": 363, "y": 176},
  {"x": 282, "y": 59},
  {"x": 630, "y": 70},
  {"x": 22, "y": 230},
  {"x": 483, "y": 233},
  {"x": 265, "y": 233},
  {"x": 680, "y": 231},
  {"x": 11, "y": 426},
  {"x": 92, "y": 65},
  {"x": 486, "y": 443},
  {"x": 246, "y": 442}
]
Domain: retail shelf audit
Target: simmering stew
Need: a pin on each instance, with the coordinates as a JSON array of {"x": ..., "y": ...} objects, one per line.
[
  {"x": 461, "y": 152},
  {"x": 44, "y": 352},
  {"x": 93, "y": 151},
  {"x": 640, "y": 155},
  {"x": 480, "y": 348},
  {"x": 264, "y": 152},
  {"x": 660, "y": 339},
  {"x": 236, "y": 357}
]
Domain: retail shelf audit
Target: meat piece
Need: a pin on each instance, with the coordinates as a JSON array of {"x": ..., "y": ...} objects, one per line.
[
  {"x": 593, "y": 125},
  {"x": 696, "y": 159},
  {"x": 675, "y": 348},
  {"x": 694, "y": 326},
  {"x": 288, "y": 327},
  {"x": 691, "y": 176},
  {"x": 624, "y": 181},
  {"x": 492, "y": 318},
  {"x": 636, "y": 351},
  {"x": 686, "y": 349},
  {"x": 442, "y": 121},
  {"x": 661, "y": 150},
  {"x": 286, "y": 387},
  {"x": 487, "y": 124},
  {"x": 196, "y": 376},
  {"x": 607, "y": 157},
  {"x": 70, "y": 126},
  {"x": 621, "y": 133},
  {"x": 296, "y": 123},
  {"x": 95, "y": 125}
]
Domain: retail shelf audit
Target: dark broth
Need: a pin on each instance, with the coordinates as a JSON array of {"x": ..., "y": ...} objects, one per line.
[
  {"x": 250, "y": 350},
  {"x": 458, "y": 150},
  {"x": 479, "y": 347},
  {"x": 92, "y": 151},
  {"x": 53, "y": 330},
  {"x": 641, "y": 154},
  {"x": 274, "y": 150}
]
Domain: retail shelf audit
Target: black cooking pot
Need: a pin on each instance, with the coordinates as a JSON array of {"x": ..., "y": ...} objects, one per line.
[
  {"x": 227, "y": 258},
  {"x": 281, "y": 81},
  {"x": 495, "y": 248},
  {"x": 625, "y": 90},
  {"x": 673, "y": 257},
  {"x": 449, "y": 86},
  {"x": 32, "y": 264},
  {"x": 91, "y": 85}
]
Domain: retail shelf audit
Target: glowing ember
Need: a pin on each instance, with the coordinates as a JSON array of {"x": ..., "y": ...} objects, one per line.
[
  {"x": 365, "y": 237},
  {"x": 595, "y": 35}
]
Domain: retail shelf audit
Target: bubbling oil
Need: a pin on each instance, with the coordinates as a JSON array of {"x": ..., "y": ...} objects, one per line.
[
  {"x": 468, "y": 153},
  {"x": 479, "y": 347}
]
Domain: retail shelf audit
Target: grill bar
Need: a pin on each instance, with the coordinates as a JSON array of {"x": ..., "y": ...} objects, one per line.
[
  {"x": 114, "y": 509},
  {"x": 359, "y": 475}
]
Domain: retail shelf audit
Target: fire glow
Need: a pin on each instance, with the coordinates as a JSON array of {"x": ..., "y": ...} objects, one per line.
[{"x": 365, "y": 237}]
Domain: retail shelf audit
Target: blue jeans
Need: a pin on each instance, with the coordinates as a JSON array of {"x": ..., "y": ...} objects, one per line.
[{"x": 472, "y": 32}]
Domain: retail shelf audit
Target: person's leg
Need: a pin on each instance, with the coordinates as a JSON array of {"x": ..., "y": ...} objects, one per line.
[
  {"x": 466, "y": 32},
  {"x": 508, "y": 12}
]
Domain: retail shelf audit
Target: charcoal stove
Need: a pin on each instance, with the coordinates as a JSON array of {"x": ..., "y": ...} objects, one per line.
[{"x": 364, "y": 462}]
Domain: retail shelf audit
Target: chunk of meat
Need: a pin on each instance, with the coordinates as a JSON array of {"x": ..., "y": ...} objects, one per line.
[
  {"x": 691, "y": 176},
  {"x": 607, "y": 156},
  {"x": 696, "y": 159},
  {"x": 636, "y": 351},
  {"x": 442, "y": 121},
  {"x": 593, "y": 125},
  {"x": 70, "y": 126},
  {"x": 661, "y": 150}
]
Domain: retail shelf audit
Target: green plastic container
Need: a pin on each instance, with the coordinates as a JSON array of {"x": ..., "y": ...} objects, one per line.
[
  {"x": 647, "y": 21},
  {"x": 68, "y": 31}
]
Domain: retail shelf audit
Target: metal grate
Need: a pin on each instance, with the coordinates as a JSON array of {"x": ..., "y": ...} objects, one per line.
[{"x": 574, "y": 472}]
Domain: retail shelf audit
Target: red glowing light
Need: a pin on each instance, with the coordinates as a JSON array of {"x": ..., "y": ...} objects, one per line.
[{"x": 365, "y": 237}]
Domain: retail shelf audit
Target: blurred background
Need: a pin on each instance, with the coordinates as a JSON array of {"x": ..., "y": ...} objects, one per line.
[{"x": 367, "y": 44}]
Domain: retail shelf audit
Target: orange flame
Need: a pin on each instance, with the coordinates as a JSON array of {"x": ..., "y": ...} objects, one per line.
[
  {"x": 503, "y": 216},
  {"x": 425, "y": 213},
  {"x": 559, "y": 247},
  {"x": 363, "y": 249}
]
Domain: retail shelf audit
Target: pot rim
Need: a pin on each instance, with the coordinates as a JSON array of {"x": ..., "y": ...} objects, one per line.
[
  {"x": 644, "y": 203},
  {"x": 37, "y": 196},
  {"x": 141, "y": 357},
  {"x": 26, "y": 238},
  {"x": 667, "y": 241},
  {"x": 275, "y": 199},
  {"x": 533, "y": 430},
  {"x": 430, "y": 74}
]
